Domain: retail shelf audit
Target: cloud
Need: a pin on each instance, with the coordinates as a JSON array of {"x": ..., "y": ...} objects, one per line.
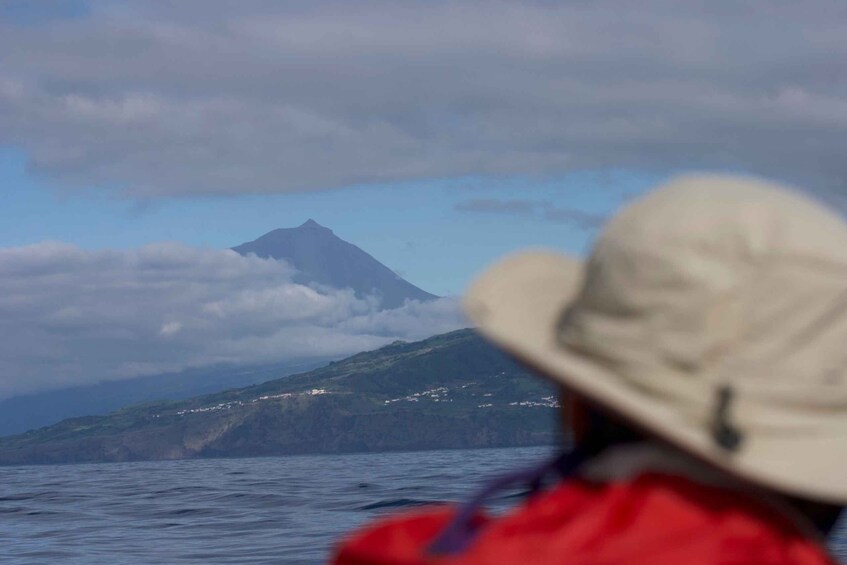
[
  {"x": 496, "y": 206},
  {"x": 70, "y": 316},
  {"x": 540, "y": 209},
  {"x": 211, "y": 97},
  {"x": 578, "y": 218}
]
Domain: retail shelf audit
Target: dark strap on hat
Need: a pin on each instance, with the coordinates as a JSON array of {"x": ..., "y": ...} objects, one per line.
[
  {"x": 458, "y": 534},
  {"x": 724, "y": 431}
]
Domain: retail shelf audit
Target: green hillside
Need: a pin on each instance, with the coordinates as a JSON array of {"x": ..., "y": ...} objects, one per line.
[{"x": 449, "y": 391}]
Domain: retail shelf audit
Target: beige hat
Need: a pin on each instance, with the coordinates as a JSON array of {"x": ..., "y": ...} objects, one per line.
[{"x": 711, "y": 312}]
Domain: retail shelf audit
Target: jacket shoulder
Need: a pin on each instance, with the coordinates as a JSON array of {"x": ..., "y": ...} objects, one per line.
[{"x": 652, "y": 518}]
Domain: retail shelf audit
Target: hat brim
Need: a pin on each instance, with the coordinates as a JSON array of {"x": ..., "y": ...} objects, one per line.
[{"x": 518, "y": 303}]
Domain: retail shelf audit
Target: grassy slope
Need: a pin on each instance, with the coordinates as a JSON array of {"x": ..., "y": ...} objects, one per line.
[{"x": 449, "y": 391}]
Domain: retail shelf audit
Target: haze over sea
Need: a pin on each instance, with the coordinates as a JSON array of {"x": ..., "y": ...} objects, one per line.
[{"x": 258, "y": 510}]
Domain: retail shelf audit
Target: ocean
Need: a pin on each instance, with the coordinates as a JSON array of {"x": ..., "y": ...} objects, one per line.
[{"x": 259, "y": 510}]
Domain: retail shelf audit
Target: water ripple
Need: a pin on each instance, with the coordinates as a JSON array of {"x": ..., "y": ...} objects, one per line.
[{"x": 267, "y": 510}]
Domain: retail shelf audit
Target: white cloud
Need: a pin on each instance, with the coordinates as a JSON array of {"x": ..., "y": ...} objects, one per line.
[
  {"x": 214, "y": 97},
  {"x": 170, "y": 328},
  {"x": 71, "y": 316}
]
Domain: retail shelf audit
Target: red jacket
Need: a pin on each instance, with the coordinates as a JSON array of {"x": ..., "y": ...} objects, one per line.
[{"x": 653, "y": 519}]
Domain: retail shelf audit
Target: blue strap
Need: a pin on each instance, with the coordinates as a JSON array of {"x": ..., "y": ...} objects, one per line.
[{"x": 458, "y": 534}]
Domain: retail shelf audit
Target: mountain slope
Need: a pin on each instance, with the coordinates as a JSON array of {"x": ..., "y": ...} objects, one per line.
[
  {"x": 450, "y": 391},
  {"x": 323, "y": 258},
  {"x": 320, "y": 257},
  {"x": 27, "y": 412}
]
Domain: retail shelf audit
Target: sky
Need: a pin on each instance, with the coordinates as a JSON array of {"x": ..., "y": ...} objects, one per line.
[{"x": 140, "y": 140}]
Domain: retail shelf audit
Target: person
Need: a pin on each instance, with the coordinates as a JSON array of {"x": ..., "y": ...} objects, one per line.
[{"x": 701, "y": 351}]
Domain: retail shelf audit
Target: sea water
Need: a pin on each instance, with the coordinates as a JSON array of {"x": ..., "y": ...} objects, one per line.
[{"x": 261, "y": 510}]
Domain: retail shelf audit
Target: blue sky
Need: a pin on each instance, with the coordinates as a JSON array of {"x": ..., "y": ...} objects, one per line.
[
  {"x": 414, "y": 227},
  {"x": 23, "y": 12},
  {"x": 140, "y": 139}
]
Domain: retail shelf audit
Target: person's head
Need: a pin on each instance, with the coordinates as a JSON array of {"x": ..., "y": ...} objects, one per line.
[{"x": 711, "y": 315}]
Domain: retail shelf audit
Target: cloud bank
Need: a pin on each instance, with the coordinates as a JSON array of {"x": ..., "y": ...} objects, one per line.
[
  {"x": 70, "y": 316},
  {"x": 214, "y": 97},
  {"x": 538, "y": 209}
]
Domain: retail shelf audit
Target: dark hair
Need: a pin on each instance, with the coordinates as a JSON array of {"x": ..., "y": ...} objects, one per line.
[{"x": 604, "y": 431}]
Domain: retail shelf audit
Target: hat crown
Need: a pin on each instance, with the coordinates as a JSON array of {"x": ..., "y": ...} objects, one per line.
[
  {"x": 712, "y": 313},
  {"x": 723, "y": 279}
]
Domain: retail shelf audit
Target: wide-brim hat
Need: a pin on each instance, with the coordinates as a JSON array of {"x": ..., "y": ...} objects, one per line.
[{"x": 712, "y": 313}]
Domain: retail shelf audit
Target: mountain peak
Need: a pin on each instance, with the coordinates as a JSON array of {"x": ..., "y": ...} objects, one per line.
[{"x": 320, "y": 257}]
